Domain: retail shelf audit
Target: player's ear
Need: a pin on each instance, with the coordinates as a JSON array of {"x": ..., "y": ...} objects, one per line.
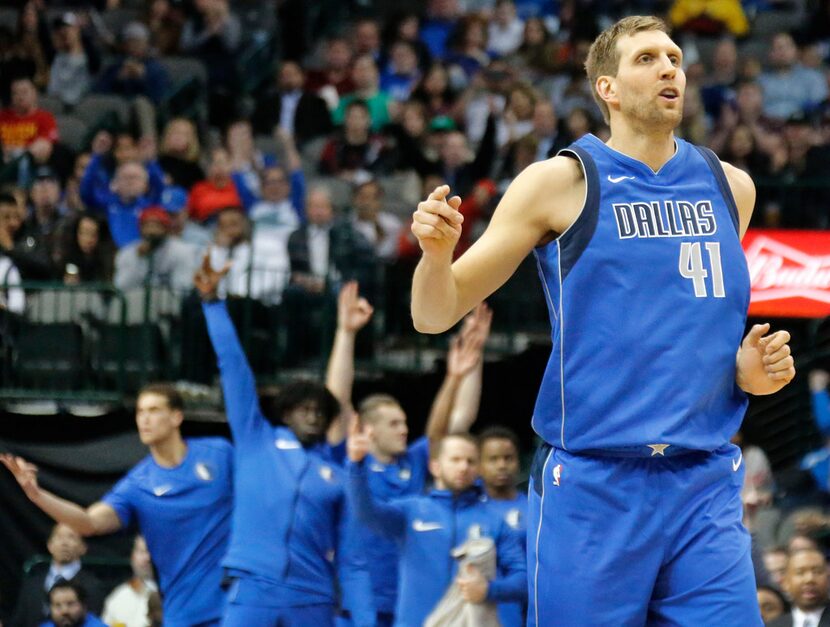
[{"x": 606, "y": 87}]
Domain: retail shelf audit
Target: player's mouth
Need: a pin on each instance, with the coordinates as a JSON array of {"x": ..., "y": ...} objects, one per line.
[{"x": 670, "y": 94}]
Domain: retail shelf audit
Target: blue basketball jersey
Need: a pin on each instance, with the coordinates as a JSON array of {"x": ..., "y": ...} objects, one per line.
[{"x": 647, "y": 293}]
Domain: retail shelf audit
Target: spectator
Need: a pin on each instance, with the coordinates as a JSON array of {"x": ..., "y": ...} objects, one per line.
[
  {"x": 354, "y": 150},
  {"x": 28, "y": 253},
  {"x": 805, "y": 582},
  {"x": 719, "y": 88},
  {"x": 127, "y": 604},
  {"x": 807, "y": 162},
  {"x": 406, "y": 26},
  {"x": 366, "y": 89},
  {"x": 380, "y": 228},
  {"x": 197, "y": 235},
  {"x": 75, "y": 63},
  {"x": 402, "y": 73},
  {"x": 259, "y": 267},
  {"x": 452, "y": 512},
  {"x": 499, "y": 453},
  {"x": 468, "y": 49},
  {"x": 334, "y": 80},
  {"x": 247, "y": 161},
  {"x": 325, "y": 249},
  {"x": 136, "y": 73},
  {"x": 44, "y": 222},
  {"x": 87, "y": 255},
  {"x": 455, "y": 165},
  {"x": 435, "y": 91},
  {"x": 72, "y": 205},
  {"x": 222, "y": 188},
  {"x": 709, "y": 17},
  {"x": 68, "y": 607},
  {"x": 366, "y": 38},
  {"x": 772, "y": 603},
  {"x": 34, "y": 44},
  {"x": 306, "y": 507},
  {"x": 789, "y": 87},
  {"x": 775, "y": 561},
  {"x": 180, "y": 152},
  {"x": 24, "y": 124},
  {"x": 12, "y": 297},
  {"x": 506, "y": 30},
  {"x": 517, "y": 119},
  {"x": 747, "y": 109},
  {"x": 742, "y": 152},
  {"x": 157, "y": 259},
  {"x": 538, "y": 55},
  {"x": 165, "y": 19},
  {"x": 298, "y": 112},
  {"x": 134, "y": 188},
  {"x": 281, "y": 208},
  {"x": 214, "y": 35},
  {"x": 66, "y": 548},
  {"x": 818, "y": 462},
  {"x": 442, "y": 16}
]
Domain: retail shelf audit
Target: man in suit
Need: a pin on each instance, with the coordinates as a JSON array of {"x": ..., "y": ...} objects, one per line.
[
  {"x": 297, "y": 112},
  {"x": 66, "y": 548},
  {"x": 806, "y": 582}
]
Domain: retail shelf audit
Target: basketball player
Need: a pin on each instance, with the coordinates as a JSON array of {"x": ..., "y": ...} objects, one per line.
[
  {"x": 179, "y": 497},
  {"x": 634, "y": 501}
]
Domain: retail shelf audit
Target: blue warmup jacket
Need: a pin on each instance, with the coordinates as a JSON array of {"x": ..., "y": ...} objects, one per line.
[
  {"x": 290, "y": 529},
  {"x": 427, "y": 528}
]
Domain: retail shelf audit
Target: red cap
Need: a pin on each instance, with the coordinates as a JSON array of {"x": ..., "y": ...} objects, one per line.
[{"x": 155, "y": 213}]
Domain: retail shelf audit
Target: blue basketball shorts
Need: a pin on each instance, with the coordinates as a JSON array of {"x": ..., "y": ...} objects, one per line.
[
  {"x": 248, "y": 606},
  {"x": 639, "y": 541}
]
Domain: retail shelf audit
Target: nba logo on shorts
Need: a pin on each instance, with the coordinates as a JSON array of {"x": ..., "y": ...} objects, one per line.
[{"x": 557, "y": 474}]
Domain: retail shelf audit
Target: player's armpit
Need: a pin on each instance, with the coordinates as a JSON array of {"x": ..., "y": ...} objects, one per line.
[
  {"x": 103, "y": 518},
  {"x": 544, "y": 199},
  {"x": 743, "y": 190}
]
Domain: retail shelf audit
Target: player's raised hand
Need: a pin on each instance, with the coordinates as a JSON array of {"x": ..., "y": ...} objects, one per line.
[
  {"x": 437, "y": 222},
  {"x": 24, "y": 472},
  {"x": 353, "y": 311},
  {"x": 207, "y": 279},
  {"x": 764, "y": 362},
  {"x": 357, "y": 444}
]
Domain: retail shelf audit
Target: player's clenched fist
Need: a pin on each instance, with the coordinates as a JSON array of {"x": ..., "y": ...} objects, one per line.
[{"x": 437, "y": 222}]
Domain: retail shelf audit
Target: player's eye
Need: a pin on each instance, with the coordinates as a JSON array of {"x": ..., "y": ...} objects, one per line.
[{"x": 644, "y": 58}]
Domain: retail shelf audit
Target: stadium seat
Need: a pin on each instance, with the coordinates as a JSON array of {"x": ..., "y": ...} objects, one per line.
[
  {"x": 51, "y": 104},
  {"x": 127, "y": 356},
  {"x": 97, "y": 108},
  {"x": 53, "y": 306},
  {"x": 72, "y": 130}
]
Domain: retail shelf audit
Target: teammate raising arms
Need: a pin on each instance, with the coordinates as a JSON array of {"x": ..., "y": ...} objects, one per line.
[{"x": 638, "y": 246}]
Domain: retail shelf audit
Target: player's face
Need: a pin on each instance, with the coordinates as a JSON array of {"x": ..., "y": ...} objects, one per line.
[
  {"x": 65, "y": 608},
  {"x": 307, "y": 422},
  {"x": 650, "y": 81},
  {"x": 65, "y": 545},
  {"x": 155, "y": 420},
  {"x": 456, "y": 467},
  {"x": 499, "y": 463},
  {"x": 806, "y": 580},
  {"x": 389, "y": 430}
]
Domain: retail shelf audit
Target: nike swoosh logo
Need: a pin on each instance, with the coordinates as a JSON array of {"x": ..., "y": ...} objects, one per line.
[
  {"x": 162, "y": 490},
  {"x": 285, "y": 445},
  {"x": 736, "y": 463},
  {"x": 420, "y": 525},
  {"x": 617, "y": 179}
]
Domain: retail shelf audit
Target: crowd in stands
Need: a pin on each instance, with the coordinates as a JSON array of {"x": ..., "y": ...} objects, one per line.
[{"x": 304, "y": 181}]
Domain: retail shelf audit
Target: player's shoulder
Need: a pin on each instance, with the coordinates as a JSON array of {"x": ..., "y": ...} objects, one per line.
[
  {"x": 215, "y": 444},
  {"x": 559, "y": 172}
]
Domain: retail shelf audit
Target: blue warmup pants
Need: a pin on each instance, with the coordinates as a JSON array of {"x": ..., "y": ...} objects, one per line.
[
  {"x": 248, "y": 607},
  {"x": 639, "y": 541}
]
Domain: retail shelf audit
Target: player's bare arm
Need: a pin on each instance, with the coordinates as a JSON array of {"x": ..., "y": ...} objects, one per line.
[
  {"x": 764, "y": 364},
  {"x": 97, "y": 519},
  {"x": 542, "y": 202}
]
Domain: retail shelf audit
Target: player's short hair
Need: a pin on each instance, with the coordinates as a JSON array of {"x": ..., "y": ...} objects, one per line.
[
  {"x": 63, "y": 584},
  {"x": 369, "y": 408},
  {"x": 498, "y": 433},
  {"x": 435, "y": 451},
  {"x": 603, "y": 56},
  {"x": 299, "y": 393},
  {"x": 174, "y": 398}
]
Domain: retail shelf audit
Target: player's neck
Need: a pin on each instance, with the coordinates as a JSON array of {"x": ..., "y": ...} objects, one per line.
[
  {"x": 170, "y": 452},
  {"x": 383, "y": 458},
  {"x": 501, "y": 493},
  {"x": 653, "y": 149}
]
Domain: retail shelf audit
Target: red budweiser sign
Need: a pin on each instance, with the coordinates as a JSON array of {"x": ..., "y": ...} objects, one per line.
[{"x": 790, "y": 273}]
